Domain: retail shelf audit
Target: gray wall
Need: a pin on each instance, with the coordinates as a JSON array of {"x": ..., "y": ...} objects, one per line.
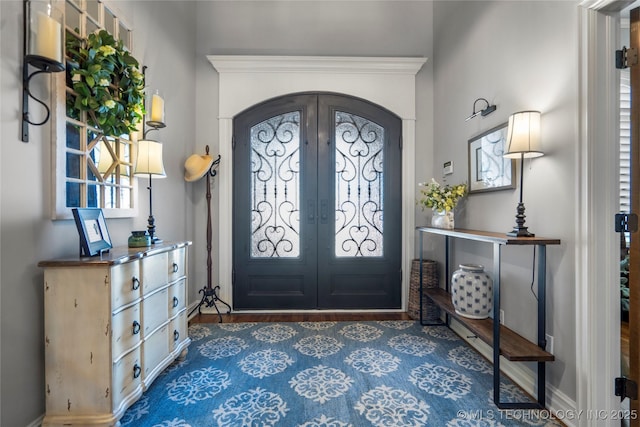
[
  {"x": 165, "y": 41},
  {"x": 518, "y": 55}
]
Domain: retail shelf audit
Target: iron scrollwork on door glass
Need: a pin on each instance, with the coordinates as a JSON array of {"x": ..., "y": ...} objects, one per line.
[
  {"x": 359, "y": 186},
  {"x": 275, "y": 187}
]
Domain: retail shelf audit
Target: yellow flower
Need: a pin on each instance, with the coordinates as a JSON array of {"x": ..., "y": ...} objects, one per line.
[
  {"x": 106, "y": 50},
  {"x": 135, "y": 74},
  {"x": 110, "y": 103},
  {"x": 441, "y": 198},
  {"x": 104, "y": 82}
]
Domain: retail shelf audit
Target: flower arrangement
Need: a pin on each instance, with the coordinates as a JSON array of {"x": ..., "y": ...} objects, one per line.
[
  {"x": 441, "y": 198},
  {"x": 107, "y": 82}
]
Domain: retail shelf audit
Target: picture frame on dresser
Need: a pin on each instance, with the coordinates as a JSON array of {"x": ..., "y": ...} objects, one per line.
[
  {"x": 93, "y": 232},
  {"x": 488, "y": 169}
]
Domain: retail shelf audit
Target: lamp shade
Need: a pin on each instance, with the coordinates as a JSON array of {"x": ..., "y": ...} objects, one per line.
[
  {"x": 149, "y": 160},
  {"x": 523, "y": 135}
]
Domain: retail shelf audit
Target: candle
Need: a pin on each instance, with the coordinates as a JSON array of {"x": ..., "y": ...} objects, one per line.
[
  {"x": 157, "y": 109},
  {"x": 48, "y": 38}
]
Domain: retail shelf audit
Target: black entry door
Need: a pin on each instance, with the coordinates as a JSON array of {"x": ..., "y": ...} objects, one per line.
[{"x": 316, "y": 205}]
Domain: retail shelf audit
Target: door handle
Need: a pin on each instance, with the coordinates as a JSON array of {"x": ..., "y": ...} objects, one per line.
[
  {"x": 311, "y": 211},
  {"x": 324, "y": 211}
]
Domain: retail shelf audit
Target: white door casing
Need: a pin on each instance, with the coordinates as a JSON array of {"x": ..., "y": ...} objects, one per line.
[
  {"x": 597, "y": 247},
  {"x": 248, "y": 80}
]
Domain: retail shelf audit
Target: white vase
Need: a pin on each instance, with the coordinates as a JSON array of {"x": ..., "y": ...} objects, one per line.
[
  {"x": 443, "y": 219},
  {"x": 472, "y": 291}
]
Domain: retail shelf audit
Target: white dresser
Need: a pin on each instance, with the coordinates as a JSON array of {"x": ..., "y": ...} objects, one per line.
[{"x": 112, "y": 324}]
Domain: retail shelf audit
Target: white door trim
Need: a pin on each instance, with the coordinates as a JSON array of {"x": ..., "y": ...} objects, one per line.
[
  {"x": 247, "y": 80},
  {"x": 597, "y": 262}
]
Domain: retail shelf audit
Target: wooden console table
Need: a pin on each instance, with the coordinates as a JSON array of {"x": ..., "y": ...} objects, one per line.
[{"x": 504, "y": 341}]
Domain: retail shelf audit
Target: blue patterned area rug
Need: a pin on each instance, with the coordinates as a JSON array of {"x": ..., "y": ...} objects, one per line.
[{"x": 333, "y": 374}]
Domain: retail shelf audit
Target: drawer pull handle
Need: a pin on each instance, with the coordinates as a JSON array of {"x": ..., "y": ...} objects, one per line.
[
  {"x": 135, "y": 283},
  {"x": 175, "y": 267},
  {"x": 136, "y": 371},
  {"x": 136, "y": 327},
  {"x": 176, "y": 301},
  {"x": 176, "y": 335}
]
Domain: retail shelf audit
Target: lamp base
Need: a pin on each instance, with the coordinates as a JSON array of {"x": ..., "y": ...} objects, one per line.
[
  {"x": 519, "y": 230},
  {"x": 151, "y": 228}
]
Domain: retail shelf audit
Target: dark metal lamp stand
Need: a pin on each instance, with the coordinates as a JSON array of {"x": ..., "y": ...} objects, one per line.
[
  {"x": 209, "y": 293},
  {"x": 151, "y": 226},
  {"x": 519, "y": 230}
]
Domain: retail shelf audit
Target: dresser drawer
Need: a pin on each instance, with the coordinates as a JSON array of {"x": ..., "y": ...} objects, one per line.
[
  {"x": 154, "y": 351},
  {"x": 177, "y": 261},
  {"x": 155, "y": 272},
  {"x": 155, "y": 311},
  {"x": 126, "y": 329},
  {"x": 125, "y": 283},
  {"x": 127, "y": 373},
  {"x": 177, "y": 297},
  {"x": 178, "y": 330}
]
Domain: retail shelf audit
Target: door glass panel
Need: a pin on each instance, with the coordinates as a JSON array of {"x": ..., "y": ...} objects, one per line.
[
  {"x": 358, "y": 186},
  {"x": 275, "y": 187}
]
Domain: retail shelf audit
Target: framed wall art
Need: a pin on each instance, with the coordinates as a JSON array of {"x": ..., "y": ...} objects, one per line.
[
  {"x": 488, "y": 170},
  {"x": 92, "y": 228}
]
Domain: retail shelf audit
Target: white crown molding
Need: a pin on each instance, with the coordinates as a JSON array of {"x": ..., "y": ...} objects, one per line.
[{"x": 316, "y": 64}]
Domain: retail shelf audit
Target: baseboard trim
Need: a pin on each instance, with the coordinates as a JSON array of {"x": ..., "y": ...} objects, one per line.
[
  {"x": 558, "y": 403},
  {"x": 37, "y": 422},
  {"x": 209, "y": 310}
]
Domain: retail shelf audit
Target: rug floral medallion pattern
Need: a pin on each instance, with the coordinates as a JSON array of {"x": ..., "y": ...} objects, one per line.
[{"x": 328, "y": 374}]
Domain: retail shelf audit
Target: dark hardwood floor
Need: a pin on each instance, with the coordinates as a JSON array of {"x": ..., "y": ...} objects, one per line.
[{"x": 311, "y": 316}]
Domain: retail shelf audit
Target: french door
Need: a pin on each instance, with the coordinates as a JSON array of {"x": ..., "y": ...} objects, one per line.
[{"x": 316, "y": 204}]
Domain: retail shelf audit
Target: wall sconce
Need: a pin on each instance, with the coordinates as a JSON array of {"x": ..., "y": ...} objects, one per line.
[
  {"x": 486, "y": 111},
  {"x": 523, "y": 141},
  {"x": 43, "y": 49}
]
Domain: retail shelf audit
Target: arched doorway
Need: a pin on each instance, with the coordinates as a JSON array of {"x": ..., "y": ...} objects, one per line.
[
  {"x": 244, "y": 81},
  {"x": 317, "y": 204}
]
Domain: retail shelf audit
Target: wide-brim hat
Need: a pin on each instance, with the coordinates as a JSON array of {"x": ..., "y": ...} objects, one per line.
[{"x": 196, "y": 166}]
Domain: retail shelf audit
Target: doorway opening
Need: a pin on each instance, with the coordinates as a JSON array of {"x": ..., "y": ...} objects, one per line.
[
  {"x": 317, "y": 204},
  {"x": 244, "y": 81}
]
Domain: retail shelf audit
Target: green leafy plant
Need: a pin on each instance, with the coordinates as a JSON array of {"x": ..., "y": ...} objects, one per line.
[
  {"x": 439, "y": 197},
  {"x": 108, "y": 83}
]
